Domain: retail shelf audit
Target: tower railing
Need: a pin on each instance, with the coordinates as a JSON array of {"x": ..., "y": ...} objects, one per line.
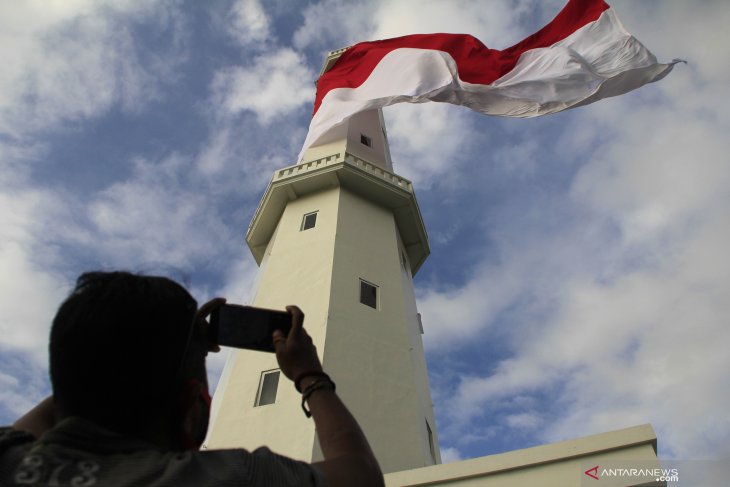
[
  {"x": 348, "y": 158},
  {"x": 329, "y": 162}
]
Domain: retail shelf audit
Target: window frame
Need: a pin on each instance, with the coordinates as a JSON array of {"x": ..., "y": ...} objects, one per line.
[
  {"x": 303, "y": 225},
  {"x": 262, "y": 382},
  {"x": 364, "y": 282}
]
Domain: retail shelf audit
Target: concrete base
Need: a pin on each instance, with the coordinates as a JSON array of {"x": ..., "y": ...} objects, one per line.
[{"x": 562, "y": 464}]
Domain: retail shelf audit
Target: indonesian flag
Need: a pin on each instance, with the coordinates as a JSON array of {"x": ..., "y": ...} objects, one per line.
[{"x": 582, "y": 56}]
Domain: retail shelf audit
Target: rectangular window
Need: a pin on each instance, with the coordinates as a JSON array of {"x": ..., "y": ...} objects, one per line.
[
  {"x": 369, "y": 294},
  {"x": 309, "y": 220},
  {"x": 365, "y": 140},
  {"x": 268, "y": 385}
]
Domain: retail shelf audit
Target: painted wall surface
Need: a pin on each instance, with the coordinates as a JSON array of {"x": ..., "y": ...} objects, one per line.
[
  {"x": 374, "y": 355},
  {"x": 418, "y": 357},
  {"x": 566, "y": 473},
  {"x": 368, "y": 123},
  {"x": 297, "y": 269},
  {"x": 556, "y": 465},
  {"x": 347, "y": 139},
  {"x": 370, "y": 351}
]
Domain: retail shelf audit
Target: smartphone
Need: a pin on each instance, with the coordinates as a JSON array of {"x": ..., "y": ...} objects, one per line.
[{"x": 247, "y": 327}]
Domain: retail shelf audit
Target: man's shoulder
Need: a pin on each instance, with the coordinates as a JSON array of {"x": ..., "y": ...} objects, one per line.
[
  {"x": 9, "y": 436},
  {"x": 35, "y": 462}
]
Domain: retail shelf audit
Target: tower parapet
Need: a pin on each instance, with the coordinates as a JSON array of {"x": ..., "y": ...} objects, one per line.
[{"x": 360, "y": 176}]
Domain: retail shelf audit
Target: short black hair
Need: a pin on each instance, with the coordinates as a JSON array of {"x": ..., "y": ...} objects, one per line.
[{"x": 116, "y": 348}]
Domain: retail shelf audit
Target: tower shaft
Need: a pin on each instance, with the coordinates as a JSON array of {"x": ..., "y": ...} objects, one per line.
[{"x": 341, "y": 236}]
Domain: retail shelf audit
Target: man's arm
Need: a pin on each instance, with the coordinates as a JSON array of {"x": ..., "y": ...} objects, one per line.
[
  {"x": 39, "y": 419},
  {"x": 348, "y": 459}
]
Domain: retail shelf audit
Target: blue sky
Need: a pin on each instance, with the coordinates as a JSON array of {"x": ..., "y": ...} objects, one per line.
[{"x": 579, "y": 275}]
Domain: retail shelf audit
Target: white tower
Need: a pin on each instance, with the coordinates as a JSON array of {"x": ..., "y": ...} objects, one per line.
[{"x": 340, "y": 235}]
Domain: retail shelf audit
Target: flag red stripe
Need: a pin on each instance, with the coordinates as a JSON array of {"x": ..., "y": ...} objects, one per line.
[{"x": 476, "y": 63}]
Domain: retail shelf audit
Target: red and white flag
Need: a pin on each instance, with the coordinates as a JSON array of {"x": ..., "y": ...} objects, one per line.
[{"x": 582, "y": 56}]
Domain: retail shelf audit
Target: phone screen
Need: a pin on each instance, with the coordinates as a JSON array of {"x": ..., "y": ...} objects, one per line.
[{"x": 248, "y": 327}]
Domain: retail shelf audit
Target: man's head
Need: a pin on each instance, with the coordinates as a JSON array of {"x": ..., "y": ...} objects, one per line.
[{"x": 119, "y": 350}]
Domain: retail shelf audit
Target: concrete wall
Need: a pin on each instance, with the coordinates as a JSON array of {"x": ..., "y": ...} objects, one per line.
[
  {"x": 347, "y": 139},
  {"x": 374, "y": 355},
  {"x": 297, "y": 269},
  {"x": 556, "y": 465}
]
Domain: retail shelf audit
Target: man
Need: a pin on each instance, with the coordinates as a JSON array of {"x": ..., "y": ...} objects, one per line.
[{"x": 130, "y": 400}]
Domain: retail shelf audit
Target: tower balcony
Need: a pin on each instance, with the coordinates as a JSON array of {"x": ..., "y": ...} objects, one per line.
[{"x": 359, "y": 176}]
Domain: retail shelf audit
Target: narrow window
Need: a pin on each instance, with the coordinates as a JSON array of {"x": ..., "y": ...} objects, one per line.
[
  {"x": 309, "y": 220},
  {"x": 430, "y": 442},
  {"x": 267, "y": 388},
  {"x": 365, "y": 140},
  {"x": 369, "y": 294}
]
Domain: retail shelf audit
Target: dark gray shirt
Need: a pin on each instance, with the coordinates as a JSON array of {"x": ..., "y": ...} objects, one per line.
[{"x": 77, "y": 453}]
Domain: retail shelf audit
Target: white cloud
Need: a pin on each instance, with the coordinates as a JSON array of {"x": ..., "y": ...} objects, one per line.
[
  {"x": 654, "y": 180},
  {"x": 276, "y": 84},
  {"x": 28, "y": 301},
  {"x": 494, "y": 23},
  {"x": 450, "y": 454},
  {"x": 649, "y": 347},
  {"x": 645, "y": 346},
  {"x": 524, "y": 421},
  {"x": 65, "y": 61},
  {"x": 424, "y": 137},
  {"x": 216, "y": 153},
  {"x": 157, "y": 217},
  {"x": 30, "y": 290},
  {"x": 154, "y": 222},
  {"x": 240, "y": 156},
  {"x": 333, "y": 24},
  {"x": 249, "y": 23},
  {"x": 452, "y": 317},
  {"x": 23, "y": 386},
  {"x": 639, "y": 337},
  {"x": 634, "y": 278}
]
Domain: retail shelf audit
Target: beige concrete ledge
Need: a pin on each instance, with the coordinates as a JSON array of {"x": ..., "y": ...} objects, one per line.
[{"x": 558, "y": 464}]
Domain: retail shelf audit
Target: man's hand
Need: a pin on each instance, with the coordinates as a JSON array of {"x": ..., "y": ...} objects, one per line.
[
  {"x": 202, "y": 321},
  {"x": 296, "y": 353}
]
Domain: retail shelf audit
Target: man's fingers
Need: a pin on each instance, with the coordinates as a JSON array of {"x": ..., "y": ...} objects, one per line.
[
  {"x": 202, "y": 315},
  {"x": 279, "y": 341},
  {"x": 297, "y": 319},
  {"x": 208, "y": 307}
]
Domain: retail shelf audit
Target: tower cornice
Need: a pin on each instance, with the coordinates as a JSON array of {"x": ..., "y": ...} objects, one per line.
[{"x": 345, "y": 170}]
